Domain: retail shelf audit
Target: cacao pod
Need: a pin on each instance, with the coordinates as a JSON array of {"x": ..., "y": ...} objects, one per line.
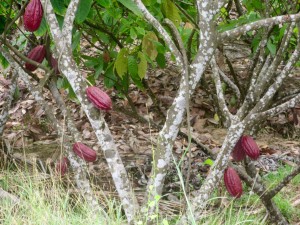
[
  {"x": 250, "y": 147},
  {"x": 37, "y": 54},
  {"x": 54, "y": 65},
  {"x": 84, "y": 152},
  {"x": 99, "y": 98},
  {"x": 62, "y": 166},
  {"x": 233, "y": 182},
  {"x": 238, "y": 153},
  {"x": 33, "y": 15}
]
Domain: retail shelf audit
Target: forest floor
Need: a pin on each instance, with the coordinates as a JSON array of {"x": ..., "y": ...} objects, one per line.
[{"x": 30, "y": 138}]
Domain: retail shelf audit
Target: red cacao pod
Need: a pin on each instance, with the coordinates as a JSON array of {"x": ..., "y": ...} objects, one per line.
[
  {"x": 62, "y": 166},
  {"x": 37, "y": 54},
  {"x": 99, "y": 98},
  {"x": 84, "y": 152},
  {"x": 250, "y": 147},
  {"x": 238, "y": 153},
  {"x": 233, "y": 182},
  {"x": 54, "y": 65},
  {"x": 33, "y": 15}
]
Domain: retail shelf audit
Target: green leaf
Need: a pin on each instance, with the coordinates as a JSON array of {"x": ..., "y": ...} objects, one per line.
[
  {"x": 83, "y": 10},
  {"x": 142, "y": 65},
  {"x": 98, "y": 68},
  {"x": 133, "y": 33},
  {"x": 59, "y": 7},
  {"x": 104, "y": 3},
  {"x": 4, "y": 63},
  {"x": 129, "y": 4},
  {"x": 208, "y": 162},
  {"x": 161, "y": 61},
  {"x": 42, "y": 28},
  {"x": 60, "y": 20},
  {"x": 148, "y": 45},
  {"x": 121, "y": 63},
  {"x": 271, "y": 47},
  {"x": 76, "y": 40},
  {"x": 170, "y": 11},
  {"x": 2, "y": 23},
  {"x": 109, "y": 76},
  {"x": 132, "y": 66}
]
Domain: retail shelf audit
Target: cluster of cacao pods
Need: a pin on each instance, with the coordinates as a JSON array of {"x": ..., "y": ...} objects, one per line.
[
  {"x": 245, "y": 146},
  {"x": 233, "y": 182},
  {"x": 84, "y": 152},
  {"x": 99, "y": 98},
  {"x": 33, "y": 15},
  {"x": 62, "y": 166}
]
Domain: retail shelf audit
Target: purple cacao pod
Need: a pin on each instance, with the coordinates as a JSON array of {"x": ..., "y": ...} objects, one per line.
[
  {"x": 233, "y": 182},
  {"x": 36, "y": 54},
  {"x": 250, "y": 147},
  {"x": 99, "y": 98},
  {"x": 62, "y": 166},
  {"x": 84, "y": 152},
  {"x": 33, "y": 15},
  {"x": 238, "y": 153}
]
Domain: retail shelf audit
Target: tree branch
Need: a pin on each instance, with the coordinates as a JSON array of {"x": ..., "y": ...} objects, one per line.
[
  {"x": 242, "y": 30},
  {"x": 68, "y": 67}
]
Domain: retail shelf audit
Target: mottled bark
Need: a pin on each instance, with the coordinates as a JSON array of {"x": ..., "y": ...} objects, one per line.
[
  {"x": 81, "y": 180},
  {"x": 216, "y": 173},
  {"x": 69, "y": 68},
  {"x": 7, "y": 105},
  {"x": 176, "y": 113},
  {"x": 242, "y": 30}
]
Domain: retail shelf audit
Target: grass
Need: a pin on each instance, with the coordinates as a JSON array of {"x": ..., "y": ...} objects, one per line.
[
  {"x": 282, "y": 199},
  {"x": 48, "y": 201}
]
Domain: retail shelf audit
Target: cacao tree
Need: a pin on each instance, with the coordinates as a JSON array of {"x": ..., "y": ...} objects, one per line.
[{"x": 129, "y": 37}]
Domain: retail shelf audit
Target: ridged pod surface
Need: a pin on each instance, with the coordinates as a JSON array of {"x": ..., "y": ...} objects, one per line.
[
  {"x": 250, "y": 147},
  {"x": 84, "y": 152},
  {"x": 233, "y": 182},
  {"x": 238, "y": 153},
  {"x": 36, "y": 54},
  {"x": 99, "y": 98},
  {"x": 62, "y": 166},
  {"x": 33, "y": 15}
]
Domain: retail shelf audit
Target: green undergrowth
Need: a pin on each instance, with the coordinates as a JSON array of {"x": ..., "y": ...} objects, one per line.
[
  {"x": 284, "y": 198},
  {"x": 47, "y": 200}
]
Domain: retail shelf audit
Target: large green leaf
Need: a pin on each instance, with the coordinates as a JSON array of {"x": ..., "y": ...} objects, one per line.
[
  {"x": 132, "y": 66},
  {"x": 83, "y": 10},
  {"x": 170, "y": 11},
  {"x": 121, "y": 63},
  {"x": 148, "y": 45},
  {"x": 58, "y": 6},
  {"x": 142, "y": 65},
  {"x": 129, "y": 4}
]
